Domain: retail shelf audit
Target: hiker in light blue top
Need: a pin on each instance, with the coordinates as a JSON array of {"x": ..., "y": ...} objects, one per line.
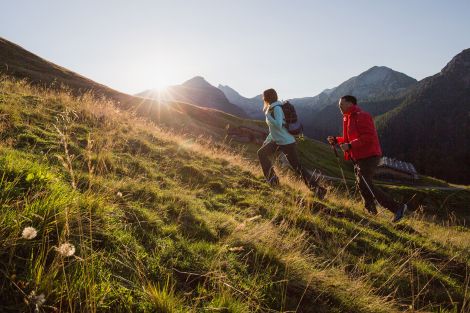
[
  {"x": 279, "y": 138},
  {"x": 277, "y": 131}
]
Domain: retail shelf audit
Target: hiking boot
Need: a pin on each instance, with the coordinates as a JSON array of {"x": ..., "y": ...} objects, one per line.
[
  {"x": 400, "y": 214},
  {"x": 319, "y": 192},
  {"x": 372, "y": 209}
]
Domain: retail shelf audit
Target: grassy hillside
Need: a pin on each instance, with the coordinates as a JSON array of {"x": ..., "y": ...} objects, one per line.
[{"x": 130, "y": 217}]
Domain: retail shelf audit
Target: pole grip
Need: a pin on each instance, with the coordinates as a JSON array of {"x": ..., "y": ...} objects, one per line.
[{"x": 334, "y": 149}]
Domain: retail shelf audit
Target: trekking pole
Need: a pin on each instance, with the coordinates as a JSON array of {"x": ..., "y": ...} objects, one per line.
[
  {"x": 363, "y": 179},
  {"x": 368, "y": 186},
  {"x": 340, "y": 168}
]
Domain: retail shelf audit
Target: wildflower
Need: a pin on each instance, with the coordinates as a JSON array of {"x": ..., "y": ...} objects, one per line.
[
  {"x": 66, "y": 249},
  {"x": 38, "y": 301},
  {"x": 29, "y": 233},
  {"x": 119, "y": 194}
]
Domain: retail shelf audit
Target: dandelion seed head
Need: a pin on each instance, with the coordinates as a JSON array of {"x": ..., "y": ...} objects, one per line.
[
  {"x": 37, "y": 300},
  {"x": 40, "y": 299},
  {"x": 66, "y": 249},
  {"x": 29, "y": 233}
]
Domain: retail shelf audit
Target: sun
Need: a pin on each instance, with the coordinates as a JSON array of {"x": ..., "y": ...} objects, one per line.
[
  {"x": 161, "y": 84},
  {"x": 160, "y": 88},
  {"x": 155, "y": 76}
]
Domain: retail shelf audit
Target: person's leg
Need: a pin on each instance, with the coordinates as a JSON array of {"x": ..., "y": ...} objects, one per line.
[
  {"x": 366, "y": 196},
  {"x": 264, "y": 155},
  {"x": 291, "y": 153},
  {"x": 367, "y": 167}
]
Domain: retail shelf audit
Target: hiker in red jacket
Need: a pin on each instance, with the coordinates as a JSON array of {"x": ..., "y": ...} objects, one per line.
[{"x": 360, "y": 144}]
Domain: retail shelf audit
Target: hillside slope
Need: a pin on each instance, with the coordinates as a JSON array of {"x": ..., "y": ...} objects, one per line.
[
  {"x": 18, "y": 62},
  {"x": 162, "y": 223}
]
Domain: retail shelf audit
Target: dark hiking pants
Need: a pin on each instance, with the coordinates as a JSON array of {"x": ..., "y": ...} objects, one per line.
[
  {"x": 269, "y": 149},
  {"x": 366, "y": 168}
]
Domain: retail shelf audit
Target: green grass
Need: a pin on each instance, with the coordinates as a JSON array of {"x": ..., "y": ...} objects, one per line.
[{"x": 166, "y": 223}]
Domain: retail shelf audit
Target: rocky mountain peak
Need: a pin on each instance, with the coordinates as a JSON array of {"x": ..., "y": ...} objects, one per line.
[
  {"x": 197, "y": 81},
  {"x": 459, "y": 66},
  {"x": 381, "y": 74},
  {"x": 227, "y": 89}
]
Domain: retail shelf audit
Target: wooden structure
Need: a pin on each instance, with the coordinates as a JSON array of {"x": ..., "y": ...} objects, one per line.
[{"x": 396, "y": 170}]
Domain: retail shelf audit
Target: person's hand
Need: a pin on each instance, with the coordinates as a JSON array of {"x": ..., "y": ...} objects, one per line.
[
  {"x": 331, "y": 140},
  {"x": 345, "y": 147}
]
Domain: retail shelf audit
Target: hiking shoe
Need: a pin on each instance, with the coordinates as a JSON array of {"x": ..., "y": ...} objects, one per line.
[
  {"x": 372, "y": 209},
  {"x": 319, "y": 192},
  {"x": 400, "y": 214}
]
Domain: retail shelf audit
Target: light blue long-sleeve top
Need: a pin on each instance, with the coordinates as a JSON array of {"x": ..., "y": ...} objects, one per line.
[{"x": 277, "y": 132}]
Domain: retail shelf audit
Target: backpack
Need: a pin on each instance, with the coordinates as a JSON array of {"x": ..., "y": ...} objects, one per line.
[{"x": 293, "y": 125}]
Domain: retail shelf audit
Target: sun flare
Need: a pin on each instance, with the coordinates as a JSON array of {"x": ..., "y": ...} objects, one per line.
[{"x": 161, "y": 84}]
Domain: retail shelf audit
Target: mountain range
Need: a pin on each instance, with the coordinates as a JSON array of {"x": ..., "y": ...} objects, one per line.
[
  {"x": 371, "y": 88},
  {"x": 431, "y": 126},
  {"x": 196, "y": 91},
  {"x": 379, "y": 88},
  {"x": 252, "y": 106}
]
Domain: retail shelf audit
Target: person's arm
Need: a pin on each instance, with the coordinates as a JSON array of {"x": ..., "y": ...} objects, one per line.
[
  {"x": 277, "y": 121},
  {"x": 332, "y": 140},
  {"x": 366, "y": 130}
]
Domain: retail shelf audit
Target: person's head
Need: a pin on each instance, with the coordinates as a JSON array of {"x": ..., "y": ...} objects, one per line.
[
  {"x": 346, "y": 102},
  {"x": 269, "y": 96}
]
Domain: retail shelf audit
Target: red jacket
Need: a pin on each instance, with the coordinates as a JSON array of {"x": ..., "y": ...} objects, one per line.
[{"x": 359, "y": 131}]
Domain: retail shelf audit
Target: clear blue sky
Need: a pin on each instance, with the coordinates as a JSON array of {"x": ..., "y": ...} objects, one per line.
[{"x": 297, "y": 47}]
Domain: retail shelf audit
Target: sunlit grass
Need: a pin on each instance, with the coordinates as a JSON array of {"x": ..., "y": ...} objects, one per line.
[{"x": 170, "y": 223}]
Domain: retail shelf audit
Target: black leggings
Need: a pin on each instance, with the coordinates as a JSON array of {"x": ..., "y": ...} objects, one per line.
[{"x": 290, "y": 150}]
